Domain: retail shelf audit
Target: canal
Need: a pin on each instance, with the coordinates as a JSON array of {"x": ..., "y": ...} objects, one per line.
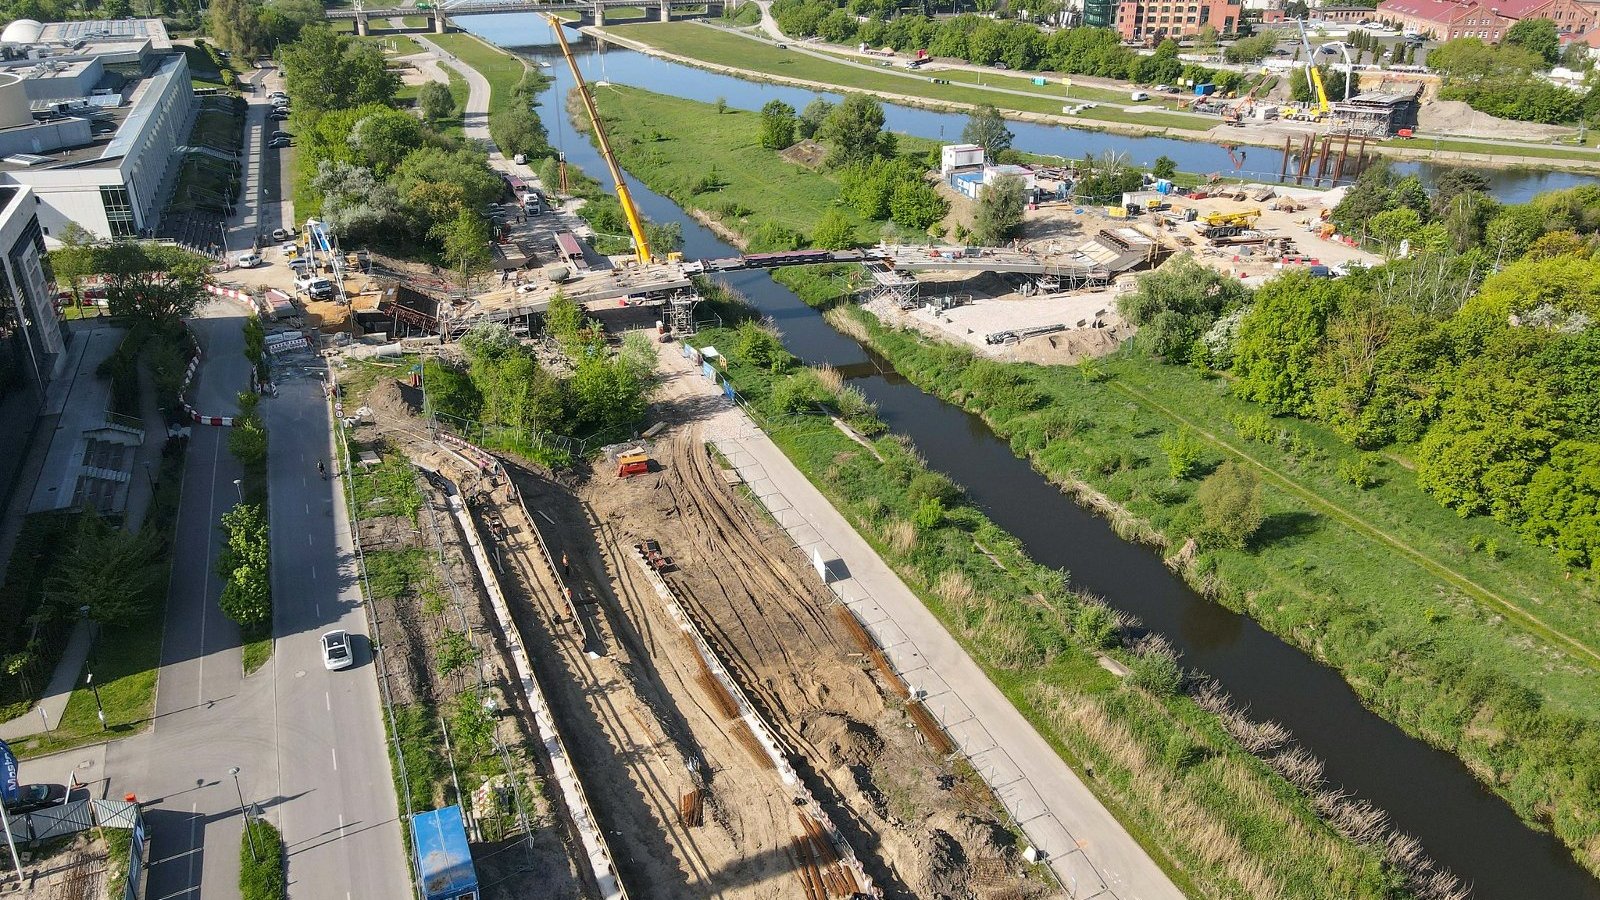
[{"x": 1427, "y": 792}]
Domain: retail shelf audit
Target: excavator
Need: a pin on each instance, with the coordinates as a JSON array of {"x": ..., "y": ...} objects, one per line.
[
  {"x": 1314, "y": 75},
  {"x": 641, "y": 246}
]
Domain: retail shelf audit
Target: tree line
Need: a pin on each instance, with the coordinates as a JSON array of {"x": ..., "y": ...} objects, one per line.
[
  {"x": 1477, "y": 354},
  {"x": 1502, "y": 79}
]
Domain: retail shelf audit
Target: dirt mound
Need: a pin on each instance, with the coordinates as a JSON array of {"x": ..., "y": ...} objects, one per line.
[
  {"x": 846, "y": 741},
  {"x": 1456, "y": 117},
  {"x": 394, "y": 401},
  {"x": 807, "y": 153}
]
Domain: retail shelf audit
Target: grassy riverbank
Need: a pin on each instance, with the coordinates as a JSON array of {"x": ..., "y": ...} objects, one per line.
[
  {"x": 1450, "y": 627},
  {"x": 760, "y": 60},
  {"x": 725, "y": 48}
]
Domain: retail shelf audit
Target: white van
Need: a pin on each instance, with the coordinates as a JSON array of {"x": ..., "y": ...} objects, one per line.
[{"x": 1138, "y": 96}]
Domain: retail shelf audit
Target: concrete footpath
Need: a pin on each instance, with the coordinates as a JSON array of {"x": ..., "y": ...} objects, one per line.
[{"x": 1090, "y": 851}]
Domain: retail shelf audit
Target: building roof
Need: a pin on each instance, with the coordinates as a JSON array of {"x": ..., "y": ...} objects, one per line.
[
  {"x": 106, "y": 31},
  {"x": 1517, "y": 9},
  {"x": 119, "y": 122},
  {"x": 1430, "y": 10}
]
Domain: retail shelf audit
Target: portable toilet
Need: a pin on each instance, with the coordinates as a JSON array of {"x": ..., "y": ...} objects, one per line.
[{"x": 444, "y": 861}]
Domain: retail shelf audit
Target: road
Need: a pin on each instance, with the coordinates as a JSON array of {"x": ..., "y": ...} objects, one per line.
[{"x": 263, "y": 204}]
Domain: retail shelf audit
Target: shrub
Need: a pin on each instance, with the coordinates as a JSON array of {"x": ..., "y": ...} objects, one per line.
[
  {"x": 1361, "y": 471},
  {"x": 932, "y": 486},
  {"x": 1230, "y": 506},
  {"x": 1096, "y": 625},
  {"x": 1156, "y": 671},
  {"x": 261, "y": 875},
  {"x": 929, "y": 515},
  {"x": 1183, "y": 452}
]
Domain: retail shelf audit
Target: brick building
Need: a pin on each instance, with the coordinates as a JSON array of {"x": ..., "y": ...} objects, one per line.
[
  {"x": 1154, "y": 20},
  {"x": 1570, "y": 16},
  {"x": 1444, "y": 20}
]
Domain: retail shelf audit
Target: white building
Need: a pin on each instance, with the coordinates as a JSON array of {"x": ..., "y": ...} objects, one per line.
[
  {"x": 30, "y": 327},
  {"x": 92, "y": 116}
]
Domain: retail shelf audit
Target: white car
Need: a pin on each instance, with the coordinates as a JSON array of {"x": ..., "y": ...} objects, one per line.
[
  {"x": 278, "y": 95},
  {"x": 248, "y": 260},
  {"x": 282, "y": 234},
  {"x": 336, "y": 650}
]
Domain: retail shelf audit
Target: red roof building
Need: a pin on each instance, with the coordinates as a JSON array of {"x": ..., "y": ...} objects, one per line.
[
  {"x": 1445, "y": 20},
  {"x": 1570, "y": 16}
]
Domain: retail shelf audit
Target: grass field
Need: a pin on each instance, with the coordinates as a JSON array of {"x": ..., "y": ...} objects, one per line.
[
  {"x": 501, "y": 69},
  {"x": 725, "y": 48},
  {"x": 1452, "y": 145}
]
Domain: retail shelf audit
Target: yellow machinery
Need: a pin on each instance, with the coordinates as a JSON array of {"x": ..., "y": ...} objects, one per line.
[
  {"x": 1314, "y": 77},
  {"x": 641, "y": 247},
  {"x": 1243, "y": 218}
]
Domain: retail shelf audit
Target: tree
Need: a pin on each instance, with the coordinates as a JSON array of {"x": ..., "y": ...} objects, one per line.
[
  {"x": 1206, "y": 40},
  {"x": 435, "y": 102},
  {"x": 1230, "y": 506},
  {"x": 76, "y": 260},
  {"x": 1183, "y": 451},
  {"x": 777, "y": 125},
  {"x": 1275, "y": 356},
  {"x": 1537, "y": 36},
  {"x": 234, "y": 25},
  {"x": 157, "y": 284},
  {"x": 113, "y": 572},
  {"x": 1177, "y": 303},
  {"x": 607, "y": 394},
  {"x": 325, "y": 71},
  {"x": 1562, "y": 504},
  {"x": 812, "y": 118},
  {"x": 435, "y": 185},
  {"x": 466, "y": 245},
  {"x": 1252, "y": 49},
  {"x": 355, "y": 203},
  {"x": 1165, "y": 167},
  {"x": 381, "y": 137},
  {"x": 855, "y": 129},
  {"x": 663, "y": 237},
  {"x": 915, "y": 205},
  {"x": 1454, "y": 181},
  {"x": 518, "y": 130},
  {"x": 245, "y": 567},
  {"x": 999, "y": 213},
  {"x": 987, "y": 129},
  {"x": 833, "y": 232}
]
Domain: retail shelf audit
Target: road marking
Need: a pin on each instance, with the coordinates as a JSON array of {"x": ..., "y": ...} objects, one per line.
[
  {"x": 308, "y": 509},
  {"x": 313, "y": 573},
  {"x": 327, "y": 700},
  {"x": 308, "y": 540},
  {"x": 341, "y": 832},
  {"x": 194, "y": 820},
  {"x": 335, "y": 752}
]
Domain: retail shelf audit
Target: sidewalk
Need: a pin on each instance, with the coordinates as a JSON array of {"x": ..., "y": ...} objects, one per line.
[{"x": 1085, "y": 845}]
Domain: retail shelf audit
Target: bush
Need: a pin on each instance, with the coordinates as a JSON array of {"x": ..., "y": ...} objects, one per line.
[
  {"x": 1230, "y": 506},
  {"x": 1096, "y": 625},
  {"x": 932, "y": 486},
  {"x": 1361, "y": 471},
  {"x": 929, "y": 515},
  {"x": 1156, "y": 671},
  {"x": 261, "y": 873},
  {"x": 1183, "y": 452}
]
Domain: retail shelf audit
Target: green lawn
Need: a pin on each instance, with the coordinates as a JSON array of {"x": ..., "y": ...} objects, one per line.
[
  {"x": 257, "y": 650},
  {"x": 415, "y": 21},
  {"x": 1451, "y": 145},
  {"x": 125, "y": 666},
  {"x": 501, "y": 69},
  {"x": 998, "y": 78},
  {"x": 658, "y": 136},
  {"x": 725, "y": 48}
]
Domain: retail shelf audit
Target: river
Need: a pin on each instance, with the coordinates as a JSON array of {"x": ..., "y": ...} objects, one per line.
[{"x": 1427, "y": 792}]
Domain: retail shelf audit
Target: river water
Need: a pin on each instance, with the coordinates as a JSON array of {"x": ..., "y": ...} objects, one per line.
[{"x": 1427, "y": 792}]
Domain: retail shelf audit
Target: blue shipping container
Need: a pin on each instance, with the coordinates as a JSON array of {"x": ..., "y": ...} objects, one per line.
[
  {"x": 1202, "y": 90},
  {"x": 443, "y": 858}
]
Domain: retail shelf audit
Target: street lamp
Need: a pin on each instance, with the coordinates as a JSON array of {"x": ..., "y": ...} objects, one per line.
[
  {"x": 149, "y": 476},
  {"x": 234, "y": 771},
  {"x": 98, "y": 709},
  {"x": 238, "y": 485}
]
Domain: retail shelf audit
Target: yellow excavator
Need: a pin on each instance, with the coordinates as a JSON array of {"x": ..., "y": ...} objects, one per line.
[{"x": 641, "y": 247}]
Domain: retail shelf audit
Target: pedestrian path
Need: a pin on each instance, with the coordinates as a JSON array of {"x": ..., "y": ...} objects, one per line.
[{"x": 1089, "y": 850}]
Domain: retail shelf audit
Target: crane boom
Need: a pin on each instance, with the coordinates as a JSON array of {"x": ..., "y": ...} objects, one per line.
[{"x": 641, "y": 247}]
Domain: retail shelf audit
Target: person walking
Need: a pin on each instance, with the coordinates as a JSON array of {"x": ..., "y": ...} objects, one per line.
[{"x": 322, "y": 470}]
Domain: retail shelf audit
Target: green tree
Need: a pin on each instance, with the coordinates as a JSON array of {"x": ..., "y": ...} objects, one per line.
[
  {"x": 1230, "y": 505},
  {"x": 607, "y": 394},
  {"x": 518, "y": 130},
  {"x": 833, "y": 231},
  {"x": 1183, "y": 451},
  {"x": 245, "y": 567},
  {"x": 1176, "y": 304},
  {"x": 381, "y": 137},
  {"x": 435, "y": 102},
  {"x": 777, "y": 125},
  {"x": 987, "y": 128},
  {"x": 563, "y": 318},
  {"x": 76, "y": 260},
  {"x": 325, "y": 71},
  {"x": 466, "y": 246},
  {"x": 915, "y": 205},
  {"x": 811, "y": 119},
  {"x": 356, "y": 204},
  {"x": 1000, "y": 205},
  {"x": 1164, "y": 167},
  {"x": 855, "y": 129},
  {"x": 152, "y": 283},
  {"x": 1537, "y": 36},
  {"x": 1562, "y": 505},
  {"x": 1276, "y": 354},
  {"x": 117, "y": 574}
]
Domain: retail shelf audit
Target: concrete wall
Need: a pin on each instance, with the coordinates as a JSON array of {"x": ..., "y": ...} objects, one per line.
[{"x": 28, "y": 284}]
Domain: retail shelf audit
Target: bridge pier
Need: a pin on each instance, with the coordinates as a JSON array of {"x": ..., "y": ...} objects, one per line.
[
  {"x": 600, "y": 14},
  {"x": 666, "y": 11},
  {"x": 361, "y": 24},
  {"x": 440, "y": 25}
]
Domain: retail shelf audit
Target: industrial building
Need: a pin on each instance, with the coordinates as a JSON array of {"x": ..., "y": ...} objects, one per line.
[
  {"x": 92, "y": 118},
  {"x": 1377, "y": 113}
]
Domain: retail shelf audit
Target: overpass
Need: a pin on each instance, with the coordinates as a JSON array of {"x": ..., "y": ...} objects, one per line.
[{"x": 590, "y": 12}]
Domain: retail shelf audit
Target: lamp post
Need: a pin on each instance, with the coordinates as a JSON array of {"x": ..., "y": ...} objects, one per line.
[
  {"x": 98, "y": 709},
  {"x": 234, "y": 771},
  {"x": 238, "y": 485},
  {"x": 149, "y": 476}
]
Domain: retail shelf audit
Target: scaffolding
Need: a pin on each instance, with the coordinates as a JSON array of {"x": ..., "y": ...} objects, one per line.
[
  {"x": 891, "y": 285},
  {"x": 680, "y": 313}
]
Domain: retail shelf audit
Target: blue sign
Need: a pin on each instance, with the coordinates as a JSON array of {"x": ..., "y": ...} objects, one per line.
[{"x": 10, "y": 789}]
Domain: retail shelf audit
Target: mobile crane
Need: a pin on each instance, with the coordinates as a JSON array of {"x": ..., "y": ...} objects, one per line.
[
  {"x": 1314, "y": 76},
  {"x": 641, "y": 247}
]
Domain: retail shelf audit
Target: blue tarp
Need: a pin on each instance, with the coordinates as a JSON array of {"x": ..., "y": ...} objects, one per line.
[{"x": 443, "y": 858}]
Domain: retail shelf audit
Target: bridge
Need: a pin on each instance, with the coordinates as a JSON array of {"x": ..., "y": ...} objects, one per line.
[{"x": 590, "y": 12}]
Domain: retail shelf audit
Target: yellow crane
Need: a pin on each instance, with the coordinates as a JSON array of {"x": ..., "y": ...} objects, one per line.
[{"x": 641, "y": 247}]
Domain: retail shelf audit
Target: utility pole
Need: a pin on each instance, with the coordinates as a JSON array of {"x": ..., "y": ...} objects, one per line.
[{"x": 249, "y": 835}]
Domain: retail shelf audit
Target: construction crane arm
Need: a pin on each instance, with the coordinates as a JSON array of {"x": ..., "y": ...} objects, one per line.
[
  {"x": 1322, "y": 95},
  {"x": 635, "y": 222}
]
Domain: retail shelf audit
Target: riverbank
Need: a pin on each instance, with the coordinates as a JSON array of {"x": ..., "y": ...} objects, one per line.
[
  {"x": 708, "y": 48},
  {"x": 1444, "y": 626}
]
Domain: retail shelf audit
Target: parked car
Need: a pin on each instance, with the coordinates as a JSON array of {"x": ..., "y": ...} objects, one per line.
[
  {"x": 278, "y": 95},
  {"x": 278, "y": 143},
  {"x": 320, "y": 289},
  {"x": 282, "y": 234},
  {"x": 248, "y": 260},
  {"x": 279, "y": 114},
  {"x": 34, "y": 797},
  {"x": 1163, "y": 88},
  {"x": 336, "y": 650}
]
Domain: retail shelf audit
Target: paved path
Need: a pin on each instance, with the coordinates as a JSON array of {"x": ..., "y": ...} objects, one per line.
[
  {"x": 475, "y": 121},
  {"x": 264, "y": 204},
  {"x": 1087, "y": 847}
]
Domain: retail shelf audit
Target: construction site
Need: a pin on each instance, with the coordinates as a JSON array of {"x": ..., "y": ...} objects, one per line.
[{"x": 713, "y": 722}]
